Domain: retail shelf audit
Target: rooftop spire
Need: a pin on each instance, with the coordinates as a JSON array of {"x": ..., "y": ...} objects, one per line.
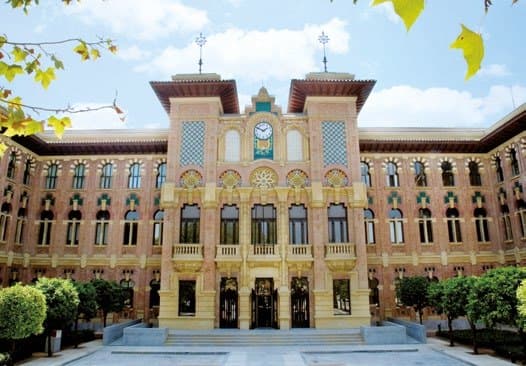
[
  {"x": 324, "y": 39},
  {"x": 200, "y": 41}
]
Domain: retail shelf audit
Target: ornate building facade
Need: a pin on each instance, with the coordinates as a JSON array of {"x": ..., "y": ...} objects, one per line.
[{"x": 263, "y": 218}]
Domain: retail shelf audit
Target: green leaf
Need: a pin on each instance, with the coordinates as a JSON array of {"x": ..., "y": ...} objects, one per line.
[
  {"x": 59, "y": 125},
  {"x": 45, "y": 77},
  {"x": 95, "y": 54},
  {"x": 19, "y": 54},
  {"x": 472, "y": 46},
  {"x": 3, "y": 40},
  {"x": 11, "y": 72},
  {"x": 408, "y": 10},
  {"x": 58, "y": 64}
]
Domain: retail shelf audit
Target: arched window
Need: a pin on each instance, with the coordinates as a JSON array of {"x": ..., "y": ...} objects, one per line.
[
  {"x": 131, "y": 227},
  {"x": 158, "y": 223},
  {"x": 106, "y": 176},
  {"x": 102, "y": 225},
  {"x": 229, "y": 225},
  {"x": 448, "y": 178},
  {"x": 78, "y": 176},
  {"x": 73, "y": 228},
  {"x": 396, "y": 226},
  {"x": 44, "y": 232},
  {"x": 11, "y": 165},
  {"x": 453, "y": 225},
  {"x": 338, "y": 228},
  {"x": 134, "y": 178},
  {"x": 127, "y": 286},
  {"x": 4, "y": 220},
  {"x": 392, "y": 175},
  {"x": 155, "y": 287},
  {"x": 365, "y": 173},
  {"x": 481, "y": 224},
  {"x": 374, "y": 294},
  {"x": 298, "y": 228},
  {"x": 425, "y": 226},
  {"x": 27, "y": 172},
  {"x": 498, "y": 170},
  {"x": 264, "y": 229},
  {"x": 474, "y": 174},
  {"x": 51, "y": 178},
  {"x": 514, "y": 162},
  {"x": 161, "y": 175},
  {"x": 506, "y": 223},
  {"x": 190, "y": 219},
  {"x": 368, "y": 216},
  {"x": 20, "y": 225},
  {"x": 521, "y": 205},
  {"x": 420, "y": 175},
  {"x": 232, "y": 146},
  {"x": 294, "y": 146}
]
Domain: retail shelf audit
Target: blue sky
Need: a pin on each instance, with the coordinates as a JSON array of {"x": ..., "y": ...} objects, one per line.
[{"x": 420, "y": 80}]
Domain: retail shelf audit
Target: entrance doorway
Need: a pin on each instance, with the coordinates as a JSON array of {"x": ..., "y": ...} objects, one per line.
[
  {"x": 228, "y": 312},
  {"x": 264, "y": 301},
  {"x": 299, "y": 302}
]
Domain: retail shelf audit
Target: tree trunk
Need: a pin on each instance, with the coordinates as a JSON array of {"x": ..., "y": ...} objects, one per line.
[
  {"x": 522, "y": 335},
  {"x": 450, "y": 326},
  {"x": 49, "y": 349},
  {"x": 420, "y": 313},
  {"x": 104, "y": 315},
  {"x": 473, "y": 327},
  {"x": 76, "y": 334}
]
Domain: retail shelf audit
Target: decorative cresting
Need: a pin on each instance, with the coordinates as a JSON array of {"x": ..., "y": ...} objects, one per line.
[
  {"x": 422, "y": 160},
  {"x": 478, "y": 198},
  {"x": 336, "y": 178},
  {"x": 450, "y": 199},
  {"x": 423, "y": 199},
  {"x": 522, "y": 143},
  {"x": 76, "y": 200},
  {"x": 17, "y": 151},
  {"x": 369, "y": 163},
  {"x": 473, "y": 159},
  {"x": 394, "y": 199},
  {"x": 192, "y": 143},
  {"x": 130, "y": 162},
  {"x": 132, "y": 200},
  {"x": 334, "y": 137},
  {"x": 508, "y": 149},
  {"x": 493, "y": 159},
  {"x": 229, "y": 179},
  {"x": 191, "y": 179},
  {"x": 45, "y": 169},
  {"x": 263, "y": 178},
  {"x": 77, "y": 162},
  {"x": 449, "y": 160},
  {"x": 297, "y": 178},
  {"x": 158, "y": 162},
  {"x": 104, "y": 198}
]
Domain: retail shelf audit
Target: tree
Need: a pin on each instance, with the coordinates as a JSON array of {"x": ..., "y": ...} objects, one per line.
[
  {"x": 110, "y": 297},
  {"x": 39, "y": 61},
  {"x": 22, "y": 312},
  {"x": 494, "y": 298},
  {"x": 450, "y": 297},
  {"x": 471, "y": 43},
  {"x": 521, "y": 298},
  {"x": 413, "y": 292},
  {"x": 87, "y": 308},
  {"x": 62, "y": 301}
]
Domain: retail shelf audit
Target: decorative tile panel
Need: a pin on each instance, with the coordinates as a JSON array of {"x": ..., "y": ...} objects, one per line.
[
  {"x": 334, "y": 143},
  {"x": 193, "y": 143}
]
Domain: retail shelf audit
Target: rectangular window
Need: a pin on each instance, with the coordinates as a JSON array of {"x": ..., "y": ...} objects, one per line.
[
  {"x": 190, "y": 218},
  {"x": 4, "y": 224},
  {"x": 298, "y": 225},
  {"x": 101, "y": 232},
  {"x": 341, "y": 297},
  {"x": 44, "y": 233},
  {"x": 337, "y": 217},
  {"x": 229, "y": 225},
  {"x": 264, "y": 224},
  {"x": 186, "y": 298},
  {"x": 19, "y": 234},
  {"x": 508, "y": 234},
  {"x": 72, "y": 236},
  {"x": 130, "y": 232},
  {"x": 157, "y": 233}
]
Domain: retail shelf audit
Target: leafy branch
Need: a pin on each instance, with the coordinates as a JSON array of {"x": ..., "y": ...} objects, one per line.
[{"x": 40, "y": 61}]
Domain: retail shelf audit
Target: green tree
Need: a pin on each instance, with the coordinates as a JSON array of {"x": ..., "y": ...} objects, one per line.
[
  {"x": 521, "y": 298},
  {"x": 450, "y": 297},
  {"x": 62, "y": 301},
  {"x": 87, "y": 308},
  {"x": 39, "y": 61},
  {"x": 22, "y": 312},
  {"x": 110, "y": 297},
  {"x": 494, "y": 298},
  {"x": 413, "y": 292}
]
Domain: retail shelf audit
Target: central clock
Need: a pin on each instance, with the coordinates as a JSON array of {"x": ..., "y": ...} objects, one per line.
[{"x": 263, "y": 130}]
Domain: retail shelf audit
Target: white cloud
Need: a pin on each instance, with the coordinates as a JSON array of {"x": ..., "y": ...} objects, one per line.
[
  {"x": 407, "y": 106},
  {"x": 495, "y": 70},
  {"x": 139, "y": 19},
  {"x": 100, "y": 119},
  {"x": 235, "y": 3},
  {"x": 133, "y": 53},
  {"x": 260, "y": 55},
  {"x": 387, "y": 10}
]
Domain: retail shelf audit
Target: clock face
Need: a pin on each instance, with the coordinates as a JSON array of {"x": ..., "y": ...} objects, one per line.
[{"x": 263, "y": 130}]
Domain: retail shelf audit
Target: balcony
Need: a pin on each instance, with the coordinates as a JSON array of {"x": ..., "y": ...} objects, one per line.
[
  {"x": 340, "y": 256},
  {"x": 187, "y": 257},
  {"x": 299, "y": 257},
  {"x": 264, "y": 253}
]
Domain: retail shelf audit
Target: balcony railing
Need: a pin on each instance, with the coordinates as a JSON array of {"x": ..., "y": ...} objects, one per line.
[
  {"x": 227, "y": 251},
  {"x": 300, "y": 250},
  {"x": 339, "y": 250},
  {"x": 188, "y": 250},
  {"x": 264, "y": 249}
]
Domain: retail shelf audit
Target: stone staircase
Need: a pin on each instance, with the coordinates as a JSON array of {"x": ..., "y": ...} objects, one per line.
[{"x": 264, "y": 337}]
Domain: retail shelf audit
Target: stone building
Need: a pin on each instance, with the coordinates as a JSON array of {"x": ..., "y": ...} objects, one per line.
[{"x": 263, "y": 218}]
